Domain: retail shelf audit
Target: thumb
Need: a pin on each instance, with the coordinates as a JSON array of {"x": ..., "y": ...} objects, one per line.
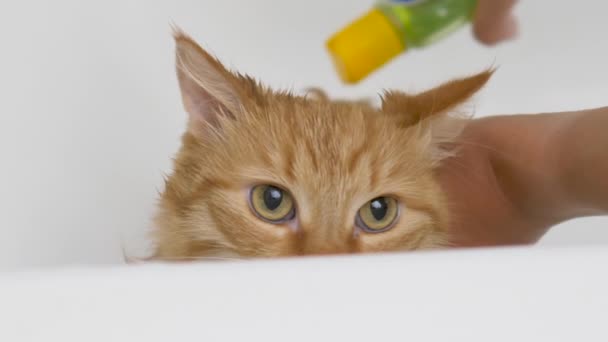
[{"x": 494, "y": 21}]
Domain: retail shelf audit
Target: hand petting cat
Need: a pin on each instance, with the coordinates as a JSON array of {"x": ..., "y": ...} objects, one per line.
[
  {"x": 517, "y": 176},
  {"x": 265, "y": 173}
]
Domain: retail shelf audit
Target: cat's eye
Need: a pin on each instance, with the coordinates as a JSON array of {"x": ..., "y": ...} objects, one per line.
[
  {"x": 272, "y": 204},
  {"x": 378, "y": 215}
]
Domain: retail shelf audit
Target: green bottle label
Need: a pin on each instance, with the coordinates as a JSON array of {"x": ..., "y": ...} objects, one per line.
[{"x": 423, "y": 22}]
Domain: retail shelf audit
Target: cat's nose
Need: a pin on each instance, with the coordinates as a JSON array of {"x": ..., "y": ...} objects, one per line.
[
  {"x": 320, "y": 246},
  {"x": 327, "y": 251}
]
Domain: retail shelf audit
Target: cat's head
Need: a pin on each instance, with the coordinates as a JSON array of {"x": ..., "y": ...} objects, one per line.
[{"x": 263, "y": 173}]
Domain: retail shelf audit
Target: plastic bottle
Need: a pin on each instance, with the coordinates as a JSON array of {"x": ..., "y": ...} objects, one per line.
[{"x": 391, "y": 28}]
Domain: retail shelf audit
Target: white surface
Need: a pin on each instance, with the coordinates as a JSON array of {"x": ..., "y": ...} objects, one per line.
[
  {"x": 90, "y": 114},
  {"x": 474, "y": 296}
]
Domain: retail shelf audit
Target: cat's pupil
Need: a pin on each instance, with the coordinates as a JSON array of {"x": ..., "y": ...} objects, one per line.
[
  {"x": 379, "y": 208},
  {"x": 272, "y": 197}
]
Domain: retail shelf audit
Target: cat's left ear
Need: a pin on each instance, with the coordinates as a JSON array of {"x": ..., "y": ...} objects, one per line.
[
  {"x": 209, "y": 91},
  {"x": 433, "y": 111}
]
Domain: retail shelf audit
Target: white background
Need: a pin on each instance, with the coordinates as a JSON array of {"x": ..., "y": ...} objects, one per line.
[
  {"x": 90, "y": 113},
  {"x": 498, "y": 295}
]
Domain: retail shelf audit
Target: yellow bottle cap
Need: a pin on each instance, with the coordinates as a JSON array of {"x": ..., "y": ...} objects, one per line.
[{"x": 364, "y": 46}]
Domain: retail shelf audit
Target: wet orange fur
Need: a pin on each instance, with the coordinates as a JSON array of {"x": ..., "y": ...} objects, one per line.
[{"x": 332, "y": 156}]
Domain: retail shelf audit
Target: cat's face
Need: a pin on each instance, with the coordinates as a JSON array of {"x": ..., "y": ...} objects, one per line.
[{"x": 264, "y": 174}]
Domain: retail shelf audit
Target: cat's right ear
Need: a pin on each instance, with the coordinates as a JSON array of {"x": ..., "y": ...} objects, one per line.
[
  {"x": 434, "y": 102},
  {"x": 208, "y": 90}
]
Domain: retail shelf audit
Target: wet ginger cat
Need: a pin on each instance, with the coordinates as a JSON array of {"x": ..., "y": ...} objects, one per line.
[{"x": 262, "y": 173}]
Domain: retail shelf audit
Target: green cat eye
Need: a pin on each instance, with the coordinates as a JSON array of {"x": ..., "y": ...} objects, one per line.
[
  {"x": 378, "y": 215},
  {"x": 272, "y": 204}
]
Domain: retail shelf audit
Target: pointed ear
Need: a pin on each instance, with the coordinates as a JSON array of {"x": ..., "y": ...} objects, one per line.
[
  {"x": 414, "y": 108},
  {"x": 432, "y": 114},
  {"x": 208, "y": 89}
]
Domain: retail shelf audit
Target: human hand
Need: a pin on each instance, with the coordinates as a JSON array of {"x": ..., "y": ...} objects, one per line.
[
  {"x": 515, "y": 177},
  {"x": 494, "y": 21}
]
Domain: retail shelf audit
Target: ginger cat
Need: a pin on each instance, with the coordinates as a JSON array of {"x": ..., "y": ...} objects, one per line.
[{"x": 262, "y": 173}]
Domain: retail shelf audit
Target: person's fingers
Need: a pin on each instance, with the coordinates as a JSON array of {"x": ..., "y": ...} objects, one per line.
[{"x": 494, "y": 22}]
